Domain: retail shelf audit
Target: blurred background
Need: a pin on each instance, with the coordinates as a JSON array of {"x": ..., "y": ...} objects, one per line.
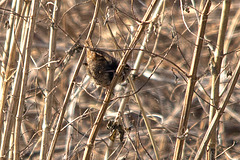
[{"x": 160, "y": 82}]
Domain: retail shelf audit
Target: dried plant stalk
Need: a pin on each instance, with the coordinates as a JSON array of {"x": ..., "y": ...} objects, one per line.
[
  {"x": 218, "y": 114},
  {"x": 80, "y": 61},
  {"x": 190, "y": 85},
  {"x": 119, "y": 70},
  {"x": 216, "y": 61},
  {"x": 15, "y": 92},
  {"x": 50, "y": 81},
  {"x": 162, "y": 54},
  {"x": 9, "y": 58},
  {"x": 159, "y": 8},
  {"x": 29, "y": 39}
]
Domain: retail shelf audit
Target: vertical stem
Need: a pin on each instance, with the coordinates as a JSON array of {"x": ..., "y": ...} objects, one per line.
[
  {"x": 8, "y": 63},
  {"x": 11, "y": 112},
  {"x": 30, "y": 33},
  {"x": 79, "y": 63},
  {"x": 190, "y": 86},
  {"x": 49, "y": 81},
  {"x": 216, "y": 69},
  {"x": 218, "y": 114}
]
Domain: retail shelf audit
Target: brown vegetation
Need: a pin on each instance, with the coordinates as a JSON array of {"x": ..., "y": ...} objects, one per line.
[{"x": 180, "y": 101}]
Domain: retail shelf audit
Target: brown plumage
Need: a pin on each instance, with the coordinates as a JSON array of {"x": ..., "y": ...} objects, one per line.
[{"x": 101, "y": 68}]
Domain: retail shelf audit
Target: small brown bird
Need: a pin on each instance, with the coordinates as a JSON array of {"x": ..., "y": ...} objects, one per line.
[{"x": 102, "y": 67}]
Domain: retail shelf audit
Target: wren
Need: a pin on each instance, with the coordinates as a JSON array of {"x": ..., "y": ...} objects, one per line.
[{"x": 101, "y": 67}]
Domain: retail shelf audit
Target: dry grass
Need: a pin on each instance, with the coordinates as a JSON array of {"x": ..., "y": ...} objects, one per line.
[{"x": 151, "y": 106}]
